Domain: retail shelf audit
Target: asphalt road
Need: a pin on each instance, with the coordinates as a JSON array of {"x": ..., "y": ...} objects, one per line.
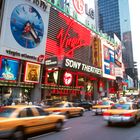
[{"x": 91, "y": 127}]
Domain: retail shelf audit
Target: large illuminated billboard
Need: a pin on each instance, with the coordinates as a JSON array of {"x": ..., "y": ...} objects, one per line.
[
  {"x": 32, "y": 72},
  {"x": 69, "y": 38},
  {"x": 9, "y": 69},
  {"x": 24, "y": 30},
  {"x": 81, "y": 10},
  {"x": 108, "y": 60}
]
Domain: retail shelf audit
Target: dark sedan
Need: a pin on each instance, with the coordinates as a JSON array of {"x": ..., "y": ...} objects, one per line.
[{"x": 84, "y": 104}]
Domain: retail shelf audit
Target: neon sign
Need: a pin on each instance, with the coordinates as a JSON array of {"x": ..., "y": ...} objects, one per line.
[
  {"x": 75, "y": 65},
  {"x": 79, "y": 6},
  {"x": 67, "y": 78},
  {"x": 66, "y": 41}
]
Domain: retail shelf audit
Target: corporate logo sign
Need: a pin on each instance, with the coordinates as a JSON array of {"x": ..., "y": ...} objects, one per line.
[
  {"x": 68, "y": 38},
  {"x": 67, "y": 79},
  {"x": 81, "y": 10},
  {"x": 79, "y": 66},
  {"x": 24, "y": 29}
]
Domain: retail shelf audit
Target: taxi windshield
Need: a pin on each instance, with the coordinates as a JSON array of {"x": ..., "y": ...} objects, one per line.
[
  {"x": 105, "y": 103},
  {"x": 121, "y": 106},
  {"x": 6, "y": 112}
]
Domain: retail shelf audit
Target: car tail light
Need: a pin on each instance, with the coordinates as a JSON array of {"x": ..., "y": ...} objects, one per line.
[
  {"x": 56, "y": 110},
  {"x": 127, "y": 114},
  {"x": 106, "y": 114}
]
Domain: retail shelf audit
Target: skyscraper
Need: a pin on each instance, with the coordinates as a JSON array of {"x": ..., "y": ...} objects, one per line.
[{"x": 109, "y": 17}]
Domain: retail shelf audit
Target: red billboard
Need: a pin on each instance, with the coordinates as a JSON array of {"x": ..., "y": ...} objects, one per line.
[{"x": 67, "y": 37}]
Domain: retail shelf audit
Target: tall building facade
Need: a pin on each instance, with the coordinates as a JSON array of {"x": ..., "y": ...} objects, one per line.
[
  {"x": 114, "y": 18},
  {"x": 109, "y": 17}
]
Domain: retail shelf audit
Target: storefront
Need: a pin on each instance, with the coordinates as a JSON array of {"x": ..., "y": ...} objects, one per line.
[
  {"x": 67, "y": 44},
  {"x": 70, "y": 81},
  {"x": 14, "y": 76}
]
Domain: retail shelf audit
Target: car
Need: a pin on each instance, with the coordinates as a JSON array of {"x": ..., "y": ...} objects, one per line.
[
  {"x": 18, "y": 121},
  {"x": 122, "y": 112},
  {"x": 66, "y": 108},
  {"x": 125, "y": 99},
  {"x": 84, "y": 104},
  {"x": 102, "y": 106}
]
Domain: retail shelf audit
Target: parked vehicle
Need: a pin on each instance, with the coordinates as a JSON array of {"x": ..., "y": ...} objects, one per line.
[{"x": 84, "y": 104}]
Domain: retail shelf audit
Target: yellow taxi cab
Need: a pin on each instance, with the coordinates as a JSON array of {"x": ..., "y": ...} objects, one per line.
[
  {"x": 122, "y": 112},
  {"x": 16, "y": 122},
  {"x": 66, "y": 108},
  {"x": 102, "y": 106}
]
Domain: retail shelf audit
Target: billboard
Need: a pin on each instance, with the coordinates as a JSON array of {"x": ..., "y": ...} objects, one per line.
[
  {"x": 9, "y": 69},
  {"x": 80, "y": 66},
  {"x": 118, "y": 58},
  {"x": 32, "y": 72},
  {"x": 118, "y": 52},
  {"x": 71, "y": 39},
  {"x": 67, "y": 37},
  {"x": 108, "y": 60},
  {"x": 24, "y": 29},
  {"x": 81, "y": 10}
]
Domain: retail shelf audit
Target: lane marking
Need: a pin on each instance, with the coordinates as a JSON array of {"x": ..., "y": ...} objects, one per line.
[
  {"x": 39, "y": 136},
  {"x": 67, "y": 128}
]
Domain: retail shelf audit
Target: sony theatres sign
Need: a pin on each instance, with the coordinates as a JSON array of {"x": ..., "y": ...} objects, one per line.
[{"x": 75, "y": 65}]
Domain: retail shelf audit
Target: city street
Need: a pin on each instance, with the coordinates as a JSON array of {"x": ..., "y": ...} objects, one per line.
[{"x": 91, "y": 127}]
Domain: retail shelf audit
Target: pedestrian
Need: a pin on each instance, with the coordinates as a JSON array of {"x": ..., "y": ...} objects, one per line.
[{"x": 13, "y": 103}]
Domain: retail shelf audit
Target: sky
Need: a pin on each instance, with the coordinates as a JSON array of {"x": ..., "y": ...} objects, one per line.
[{"x": 134, "y": 6}]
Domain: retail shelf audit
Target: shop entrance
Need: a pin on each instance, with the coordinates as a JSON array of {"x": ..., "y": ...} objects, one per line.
[{"x": 8, "y": 95}]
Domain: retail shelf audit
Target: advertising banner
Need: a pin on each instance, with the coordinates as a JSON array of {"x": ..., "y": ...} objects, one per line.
[
  {"x": 96, "y": 51},
  {"x": 32, "y": 72},
  {"x": 51, "y": 62},
  {"x": 118, "y": 58},
  {"x": 67, "y": 79},
  {"x": 9, "y": 69},
  {"x": 108, "y": 60},
  {"x": 81, "y": 10},
  {"x": 68, "y": 38},
  {"x": 24, "y": 29},
  {"x": 118, "y": 52}
]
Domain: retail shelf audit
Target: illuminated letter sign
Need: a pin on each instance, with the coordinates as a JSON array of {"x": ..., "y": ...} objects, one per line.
[
  {"x": 79, "y": 6},
  {"x": 75, "y": 65},
  {"x": 67, "y": 78},
  {"x": 66, "y": 41}
]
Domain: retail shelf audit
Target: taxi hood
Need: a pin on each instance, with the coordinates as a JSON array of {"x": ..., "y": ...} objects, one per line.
[
  {"x": 118, "y": 111},
  {"x": 101, "y": 106}
]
